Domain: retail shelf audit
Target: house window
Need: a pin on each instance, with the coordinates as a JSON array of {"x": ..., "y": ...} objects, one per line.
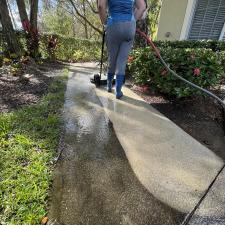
[{"x": 208, "y": 20}]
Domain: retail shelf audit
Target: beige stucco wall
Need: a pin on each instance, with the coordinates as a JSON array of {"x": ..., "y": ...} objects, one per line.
[{"x": 172, "y": 19}]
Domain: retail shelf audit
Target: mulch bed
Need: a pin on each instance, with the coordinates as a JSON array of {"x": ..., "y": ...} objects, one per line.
[
  {"x": 27, "y": 86},
  {"x": 200, "y": 116}
]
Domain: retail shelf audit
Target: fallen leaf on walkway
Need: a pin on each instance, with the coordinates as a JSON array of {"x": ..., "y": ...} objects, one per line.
[{"x": 44, "y": 220}]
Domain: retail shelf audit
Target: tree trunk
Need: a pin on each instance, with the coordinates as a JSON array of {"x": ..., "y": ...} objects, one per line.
[
  {"x": 33, "y": 13},
  {"x": 8, "y": 31},
  {"x": 33, "y": 32},
  {"x": 85, "y": 22},
  {"x": 22, "y": 10}
]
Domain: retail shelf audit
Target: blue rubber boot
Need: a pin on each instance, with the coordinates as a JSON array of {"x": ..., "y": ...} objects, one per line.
[
  {"x": 110, "y": 77},
  {"x": 119, "y": 84}
]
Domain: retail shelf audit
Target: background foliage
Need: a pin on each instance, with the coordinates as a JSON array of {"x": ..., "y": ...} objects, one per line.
[{"x": 72, "y": 49}]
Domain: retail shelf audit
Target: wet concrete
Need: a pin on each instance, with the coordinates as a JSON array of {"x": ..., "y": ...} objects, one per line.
[{"x": 94, "y": 182}]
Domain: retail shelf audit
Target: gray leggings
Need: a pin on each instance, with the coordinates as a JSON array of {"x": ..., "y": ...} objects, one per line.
[{"x": 119, "y": 41}]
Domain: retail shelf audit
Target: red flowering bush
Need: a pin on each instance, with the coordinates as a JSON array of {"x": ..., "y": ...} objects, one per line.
[
  {"x": 200, "y": 66},
  {"x": 32, "y": 38},
  {"x": 51, "y": 46},
  {"x": 197, "y": 71},
  {"x": 130, "y": 59}
]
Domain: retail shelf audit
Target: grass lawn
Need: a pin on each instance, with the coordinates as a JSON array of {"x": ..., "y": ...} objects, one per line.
[{"x": 28, "y": 142}]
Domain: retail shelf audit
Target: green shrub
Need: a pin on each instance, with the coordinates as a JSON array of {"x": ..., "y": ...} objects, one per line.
[
  {"x": 209, "y": 44},
  {"x": 200, "y": 66},
  {"x": 67, "y": 48},
  {"x": 71, "y": 49},
  {"x": 1, "y": 60},
  {"x": 223, "y": 59}
]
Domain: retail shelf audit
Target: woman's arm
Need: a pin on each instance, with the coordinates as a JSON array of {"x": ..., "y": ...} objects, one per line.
[
  {"x": 140, "y": 7},
  {"x": 102, "y": 8}
]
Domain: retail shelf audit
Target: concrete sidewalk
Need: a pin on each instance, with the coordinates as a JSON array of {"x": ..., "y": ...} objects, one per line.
[
  {"x": 125, "y": 163},
  {"x": 212, "y": 209},
  {"x": 94, "y": 183},
  {"x": 172, "y": 165}
]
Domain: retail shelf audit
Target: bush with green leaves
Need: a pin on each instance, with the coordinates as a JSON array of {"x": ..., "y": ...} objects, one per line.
[
  {"x": 209, "y": 44},
  {"x": 1, "y": 59},
  {"x": 66, "y": 49},
  {"x": 200, "y": 66},
  {"x": 72, "y": 49}
]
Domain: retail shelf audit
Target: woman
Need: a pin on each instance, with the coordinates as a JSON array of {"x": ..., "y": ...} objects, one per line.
[{"x": 120, "y": 31}]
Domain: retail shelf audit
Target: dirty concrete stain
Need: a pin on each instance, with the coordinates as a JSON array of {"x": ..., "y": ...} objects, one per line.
[{"x": 94, "y": 183}]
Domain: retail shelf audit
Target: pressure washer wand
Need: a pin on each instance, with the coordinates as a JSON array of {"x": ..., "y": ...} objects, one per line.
[
  {"x": 156, "y": 50},
  {"x": 102, "y": 53}
]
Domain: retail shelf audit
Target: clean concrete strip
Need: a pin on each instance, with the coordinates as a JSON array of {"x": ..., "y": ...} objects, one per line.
[{"x": 172, "y": 165}]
